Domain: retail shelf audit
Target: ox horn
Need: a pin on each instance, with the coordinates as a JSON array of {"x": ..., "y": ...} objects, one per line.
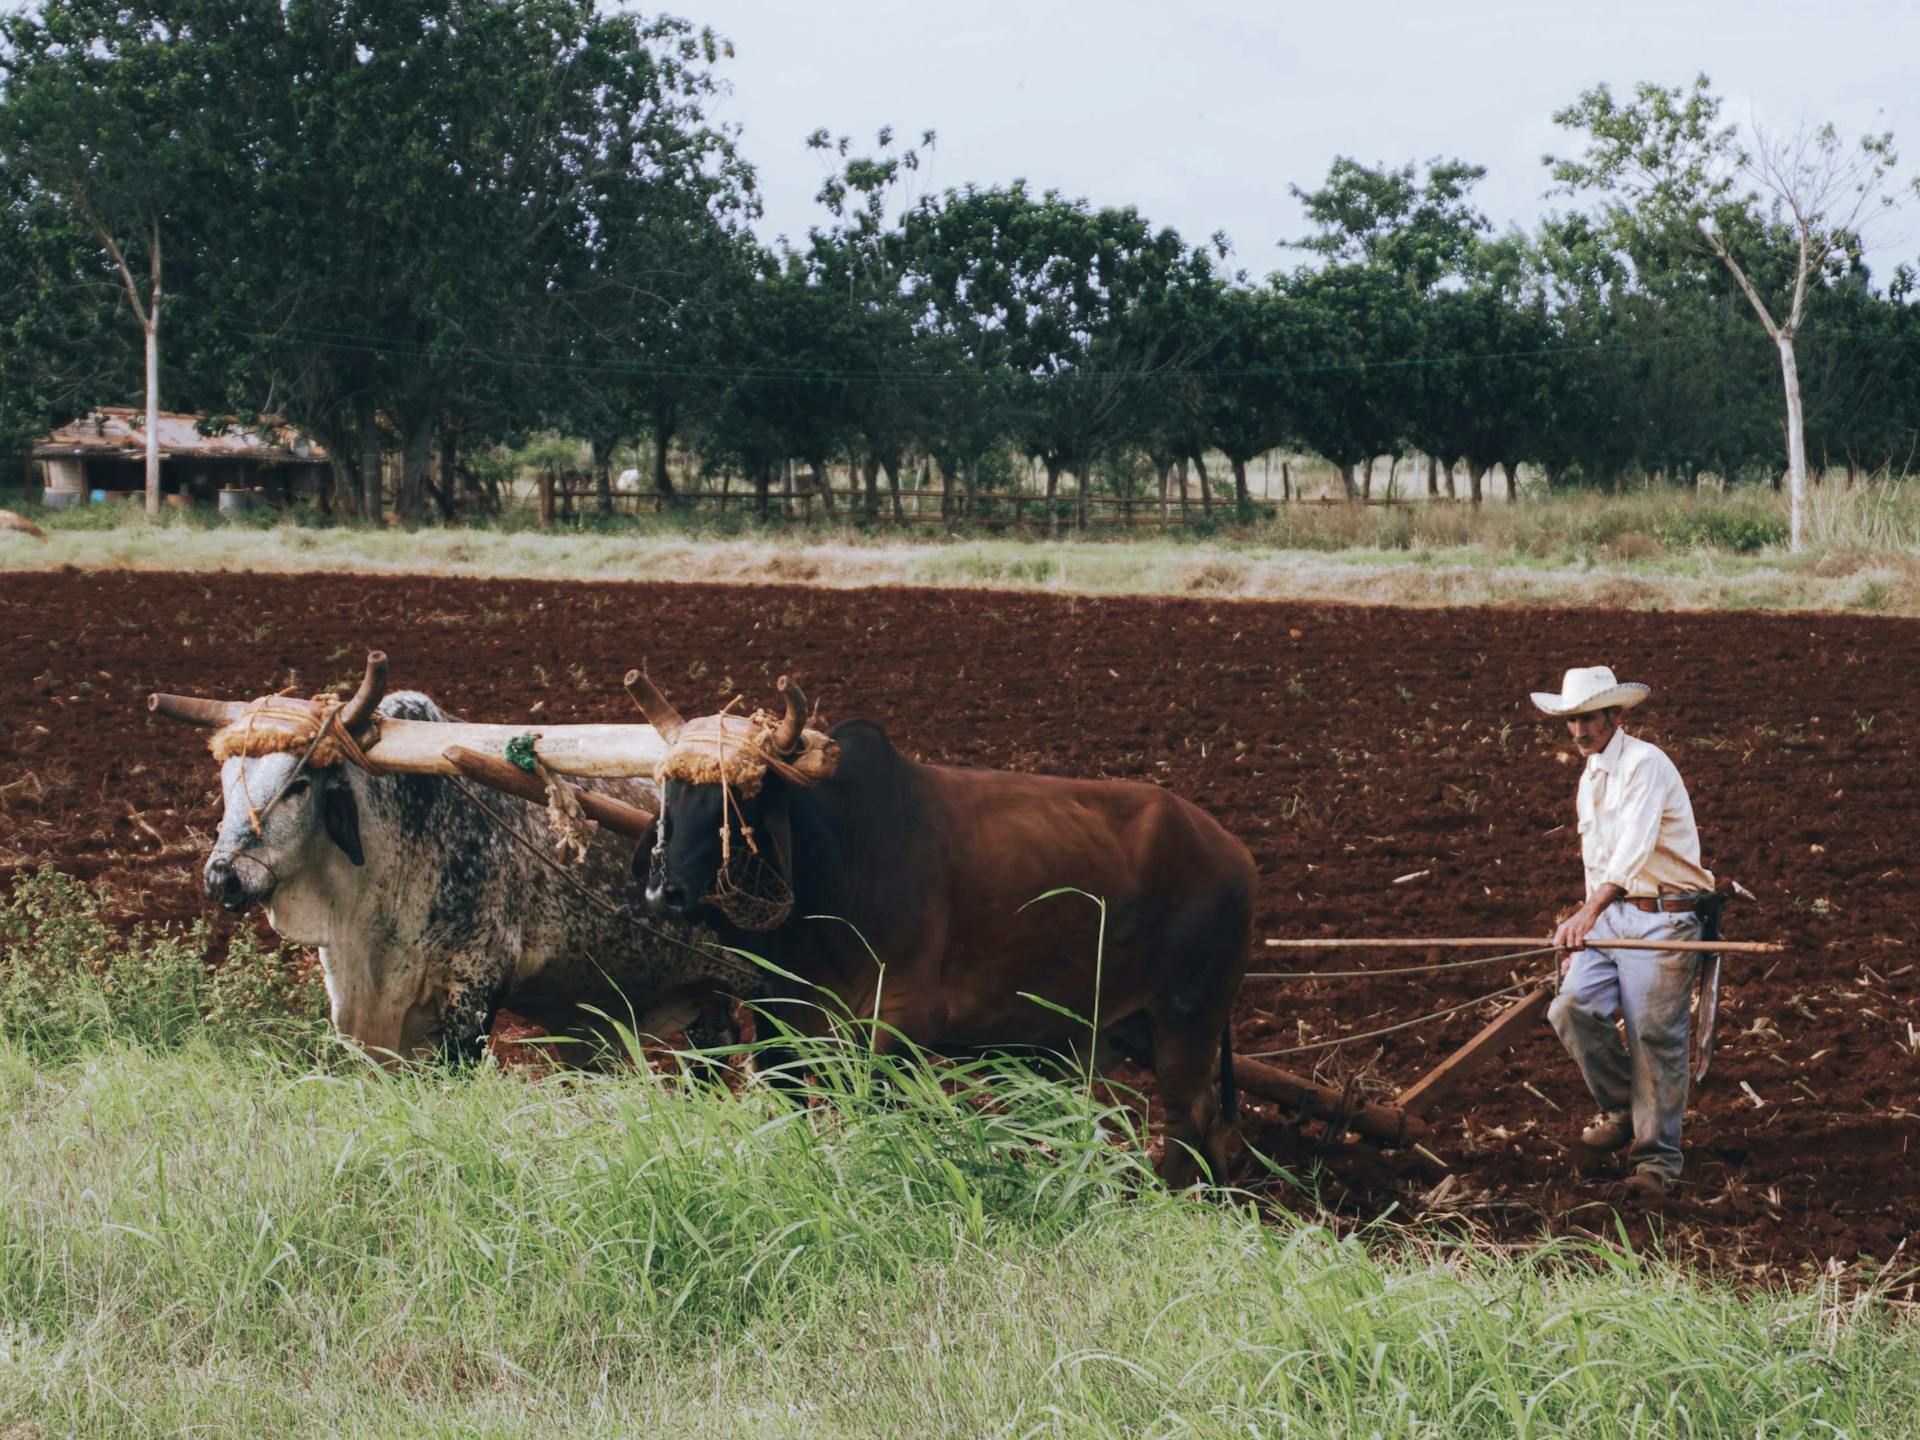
[
  {"x": 194, "y": 711},
  {"x": 786, "y": 739},
  {"x": 357, "y": 712},
  {"x": 662, "y": 716}
]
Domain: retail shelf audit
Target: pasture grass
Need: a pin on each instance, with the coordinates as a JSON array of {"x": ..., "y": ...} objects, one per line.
[
  {"x": 1648, "y": 550},
  {"x": 203, "y": 1235}
]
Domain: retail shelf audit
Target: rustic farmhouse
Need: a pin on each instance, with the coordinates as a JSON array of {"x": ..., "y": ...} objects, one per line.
[{"x": 103, "y": 455}]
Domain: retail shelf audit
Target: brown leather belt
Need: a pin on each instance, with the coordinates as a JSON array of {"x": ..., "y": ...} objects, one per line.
[{"x": 1672, "y": 907}]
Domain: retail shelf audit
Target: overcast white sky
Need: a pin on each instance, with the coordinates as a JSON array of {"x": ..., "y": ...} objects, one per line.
[{"x": 1202, "y": 114}]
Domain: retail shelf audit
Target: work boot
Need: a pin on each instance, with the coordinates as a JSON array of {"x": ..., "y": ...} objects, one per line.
[
  {"x": 1609, "y": 1132},
  {"x": 1645, "y": 1185}
]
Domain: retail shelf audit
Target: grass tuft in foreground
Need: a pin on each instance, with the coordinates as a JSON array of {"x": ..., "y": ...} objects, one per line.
[{"x": 201, "y": 1235}]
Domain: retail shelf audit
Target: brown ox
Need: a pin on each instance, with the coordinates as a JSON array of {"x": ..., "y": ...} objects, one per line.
[{"x": 820, "y": 852}]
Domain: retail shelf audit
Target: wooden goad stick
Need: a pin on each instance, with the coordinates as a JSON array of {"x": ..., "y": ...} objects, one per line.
[{"x": 1535, "y": 942}]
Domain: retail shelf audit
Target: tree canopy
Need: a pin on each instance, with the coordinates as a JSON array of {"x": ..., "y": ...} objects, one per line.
[{"x": 420, "y": 228}]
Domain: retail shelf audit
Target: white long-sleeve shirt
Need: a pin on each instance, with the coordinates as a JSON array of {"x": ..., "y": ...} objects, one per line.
[{"x": 1636, "y": 822}]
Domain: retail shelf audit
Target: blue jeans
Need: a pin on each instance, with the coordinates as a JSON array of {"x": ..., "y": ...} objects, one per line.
[{"x": 1653, "y": 993}]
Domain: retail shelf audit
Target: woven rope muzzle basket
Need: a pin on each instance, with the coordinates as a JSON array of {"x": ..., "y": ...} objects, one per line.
[{"x": 735, "y": 752}]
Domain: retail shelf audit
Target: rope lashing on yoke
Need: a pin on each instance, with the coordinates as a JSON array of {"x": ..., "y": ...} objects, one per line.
[{"x": 735, "y": 751}]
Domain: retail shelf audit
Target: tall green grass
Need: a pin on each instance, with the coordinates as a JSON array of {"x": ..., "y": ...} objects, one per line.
[
  {"x": 199, "y": 1236},
  {"x": 71, "y": 983}
]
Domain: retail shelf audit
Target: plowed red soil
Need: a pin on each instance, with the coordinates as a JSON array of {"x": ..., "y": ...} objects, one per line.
[{"x": 1348, "y": 747}]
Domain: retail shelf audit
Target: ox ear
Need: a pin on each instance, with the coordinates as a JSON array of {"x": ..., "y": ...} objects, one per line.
[{"x": 341, "y": 814}]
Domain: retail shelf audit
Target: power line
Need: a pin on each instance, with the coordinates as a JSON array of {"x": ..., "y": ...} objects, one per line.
[{"x": 349, "y": 342}]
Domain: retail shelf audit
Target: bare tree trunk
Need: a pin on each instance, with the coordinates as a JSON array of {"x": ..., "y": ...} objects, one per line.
[
  {"x": 1206, "y": 485},
  {"x": 1052, "y": 462},
  {"x": 416, "y": 451},
  {"x": 1286, "y": 480},
  {"x": 870, "y": 482},
  {"x": 1796, "y": 446},
  {"x": 152, "y": 329},
  {"x": 449, "y": 470},
  {"x": 1476, "y": 472},
  {"x": 1433, "y": 477},
  {"x": 1186, "y": 498},
  {"x": 1350, "y": 480},
  {"x": 891, "y": 464},
  {"x": 763, "y": 483},
  {"x": 823, "y": 481},
  {"x": 1511, "y": 469},
  {"x": 1366, "y": 480},
  {"x": 1165, "y": 469},
  {"x": 1242, "y": 497},
  {"x": 603, "y": 474},
  {"x": 366, "y": 425},
  {"x": 662, "y": 481}
]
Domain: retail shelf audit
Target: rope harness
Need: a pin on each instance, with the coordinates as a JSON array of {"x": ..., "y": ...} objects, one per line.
[
  {"x": 273, "y": 726},
  {"x": 735, "y": 752},
  {"x": 1417, "y": 1020},
  {"x": 598, "y": 899}
]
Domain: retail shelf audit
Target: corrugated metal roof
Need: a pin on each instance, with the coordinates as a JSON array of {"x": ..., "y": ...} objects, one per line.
[{"x": 120, "y": 430}]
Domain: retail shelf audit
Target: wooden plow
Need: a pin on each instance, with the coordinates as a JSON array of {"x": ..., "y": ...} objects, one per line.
[
  {"x": 1404, "y": 1121},
  {"x": 526, "y": 759}
]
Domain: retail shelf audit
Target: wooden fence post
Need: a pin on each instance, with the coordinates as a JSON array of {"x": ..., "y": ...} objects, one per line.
[{"x": 546, "y": 499}]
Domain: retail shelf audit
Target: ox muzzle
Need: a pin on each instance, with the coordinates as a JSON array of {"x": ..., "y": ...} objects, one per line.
[{"x": 236, "y": 882}]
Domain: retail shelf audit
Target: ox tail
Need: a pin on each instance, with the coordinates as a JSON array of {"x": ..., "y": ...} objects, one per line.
[{"x": 1229, "y": 1092}]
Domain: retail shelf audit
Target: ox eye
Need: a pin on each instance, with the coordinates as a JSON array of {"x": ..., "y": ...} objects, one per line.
[{"x": 299, "y": 787}]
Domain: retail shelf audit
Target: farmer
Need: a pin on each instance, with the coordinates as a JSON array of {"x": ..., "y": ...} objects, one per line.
[{"x": 1644, "y": 881}]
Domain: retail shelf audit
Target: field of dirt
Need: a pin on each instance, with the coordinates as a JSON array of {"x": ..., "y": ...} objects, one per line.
[{"x": 1384, "y": 766}]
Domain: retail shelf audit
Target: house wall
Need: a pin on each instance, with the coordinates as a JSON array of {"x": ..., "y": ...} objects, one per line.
[{"x": 65, "y": 476}]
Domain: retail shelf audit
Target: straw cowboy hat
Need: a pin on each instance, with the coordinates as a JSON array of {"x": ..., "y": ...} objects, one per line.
[{"x": 1589, "y": 689}]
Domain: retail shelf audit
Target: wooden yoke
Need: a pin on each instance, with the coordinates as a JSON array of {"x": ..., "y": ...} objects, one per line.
[{"x": 421, "y": 747}]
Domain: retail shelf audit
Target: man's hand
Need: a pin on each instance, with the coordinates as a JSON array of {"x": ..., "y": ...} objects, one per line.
[{"x": 1572, "y": 932}]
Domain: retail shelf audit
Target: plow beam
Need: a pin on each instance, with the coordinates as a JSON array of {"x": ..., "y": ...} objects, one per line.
[{"x": 1383, "y": 1124}]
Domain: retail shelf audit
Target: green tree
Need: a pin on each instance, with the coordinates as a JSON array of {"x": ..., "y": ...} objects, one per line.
[
  {"x": 435, "y": 182},
  {"x": 63, "y": 349},
  {"x": 1251, "y": 398},
  {"x": 1676, "y": 175},
  {"x": 1384, "y": 230},
  {"x": 856, "y": 258},
  {"x": 116, "y": 111}
]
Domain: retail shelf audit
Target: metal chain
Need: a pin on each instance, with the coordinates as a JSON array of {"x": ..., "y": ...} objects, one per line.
[
  {"x": 1403, "y": 1025},
  {"x": 1397, "y": 970}
]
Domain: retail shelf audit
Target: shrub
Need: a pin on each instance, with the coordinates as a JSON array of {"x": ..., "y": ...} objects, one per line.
[
  {"x": 1724, "y": 527},
  {"x": 69, "y": 980}
]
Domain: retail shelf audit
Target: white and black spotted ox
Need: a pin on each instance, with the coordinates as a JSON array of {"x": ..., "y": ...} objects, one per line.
[{"x": 429, "y": 918}]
